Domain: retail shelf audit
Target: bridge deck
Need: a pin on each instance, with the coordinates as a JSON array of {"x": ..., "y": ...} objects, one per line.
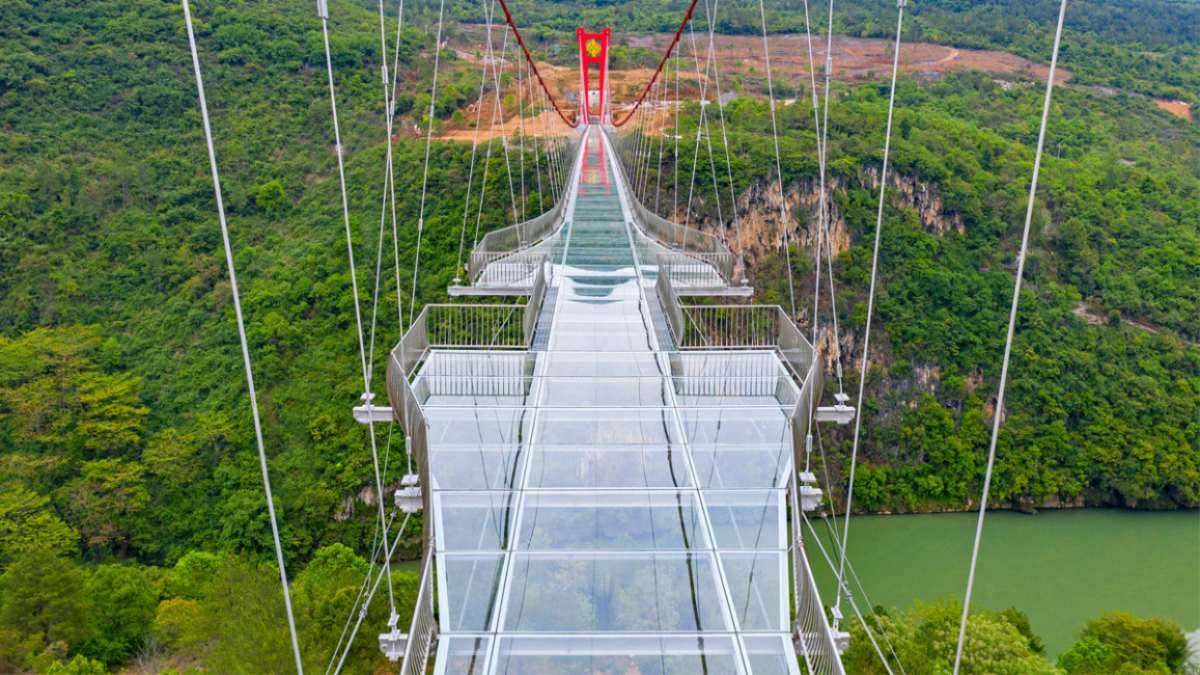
[{"x": 604, "y": 503}]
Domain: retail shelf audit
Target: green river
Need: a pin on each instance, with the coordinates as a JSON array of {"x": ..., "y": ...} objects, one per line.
[{"x": 1059, "y": 567}]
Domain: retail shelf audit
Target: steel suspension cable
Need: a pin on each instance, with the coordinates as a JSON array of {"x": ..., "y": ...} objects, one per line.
[
  {"x": 862, "y": 378},
  {"x": 1008, "y": 340},
  {"x": 537, "y": 155},
  {"x": 437, "y": 58},
  {"x": 521, "y": 138},
  {"x": 496, "y": 68},
  {"x": 458, "y": 265},
  {"x": 710, "y": 62},
  {"x": 245, "y": 347},
  {"x": 762, "y": 12},
  {"x": 687, "y": 17},
  {"x": 374, "y": 587},
  {"x": 323, "y": 12},
  {"x": 664, "y": 118},
  {"x": 678, "y": 106},
  {"x": 721, "y": 113},
  {"x": 529, "y": 59},
  {"x": 489, "y": 56},
  {"x": 827, "y": 203},
  {"x": 853, "y": 605}
]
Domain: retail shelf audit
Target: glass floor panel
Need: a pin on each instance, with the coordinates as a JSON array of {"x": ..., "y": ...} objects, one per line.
[
  {"x": 658, "y": 592},
  {"x": 608, "y": 466},
  {"x": 476, "y": 467},
  {"x": 609, "y": 655},
  {"x": 611, "y": 520}
]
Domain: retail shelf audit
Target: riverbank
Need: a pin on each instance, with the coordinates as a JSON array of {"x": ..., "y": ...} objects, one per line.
[{"x": 1059, "y": 567}]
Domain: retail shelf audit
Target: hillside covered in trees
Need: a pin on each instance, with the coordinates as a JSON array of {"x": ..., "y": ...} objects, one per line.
[{"x": 132, "y": 522}]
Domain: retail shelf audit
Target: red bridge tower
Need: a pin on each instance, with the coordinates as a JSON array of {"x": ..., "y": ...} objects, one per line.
[{"x": 593, "y": 51}]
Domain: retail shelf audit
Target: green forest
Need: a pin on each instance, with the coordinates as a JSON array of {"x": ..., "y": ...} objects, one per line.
[{"x": 133, "y": 530}]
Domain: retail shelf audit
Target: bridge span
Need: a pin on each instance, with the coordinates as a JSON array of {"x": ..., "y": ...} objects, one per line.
[{"x": 609, "y": 475}]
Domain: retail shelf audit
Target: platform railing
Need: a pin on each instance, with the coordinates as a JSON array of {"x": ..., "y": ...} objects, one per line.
[
  {"x": 505, "y": 268},
  {"x": 699, "y": 270},
  {"x": 506, "y": 241},
  {"x": 813, "y": 637},
  {"x": 732, "y": 326},
  {"x": 423, "y": 630},
  {"x": 700, "y": 246}
]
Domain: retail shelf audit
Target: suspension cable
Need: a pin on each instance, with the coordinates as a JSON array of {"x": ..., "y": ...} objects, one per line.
[
  {"x": 721, "y": 114},
  {"x": 241, "y": 324},
  {"x": 458, "y": 264},
  {"x": 573, "y": 123},
  {"x": 437, "y": 56},
  {"x": 762, "y": 12},
  {"x": 1008, "y": 341},
  {"x": 323, "y": 12},
  {"x": 537, "y": 154},
  {"x": 687, "y": 17},
  {"x": 862, "y": 378}
]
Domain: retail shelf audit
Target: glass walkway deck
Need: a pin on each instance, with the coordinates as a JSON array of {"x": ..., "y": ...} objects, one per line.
[{"x": 600, "y": 500}]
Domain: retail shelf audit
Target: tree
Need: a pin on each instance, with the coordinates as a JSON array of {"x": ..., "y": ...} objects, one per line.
[
  {"x": 80, "y": 665},
  {"x": 124, "y": 605},
  {"x": 104, "y": 501},
  {"x": 1118, "y": 642},
  {"x": 270, "y": 196},
  {"x": 925, "y": 638},
  {"x": 28, "y": 522},
  {"x": 42, "y": 604}
]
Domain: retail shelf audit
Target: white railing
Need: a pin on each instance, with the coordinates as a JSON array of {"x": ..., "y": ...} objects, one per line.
[
  {"x": 686, "y": 240},
  {"x": 506, "y": 269},
  {"x": 733, "y": 327},
  {"x": 811, "y": 631},
  {"x": 423, "y": 630},
  {"x": 508, "y": 240}
]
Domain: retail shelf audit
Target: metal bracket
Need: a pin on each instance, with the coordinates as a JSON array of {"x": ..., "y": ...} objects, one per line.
[
  {"x": 393, "y": 644},
  {"x": 408, "y": 497},
  {"x": 368, "y": 412},
  {"x": 839, "y": 412},
  {"x": 810, "y": 498}
]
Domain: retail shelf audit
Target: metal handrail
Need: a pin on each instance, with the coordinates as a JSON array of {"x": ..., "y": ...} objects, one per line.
[
  {"x": 423, "y": 630},
  {"x": 733, "y": 326},
  {"x": 519, "y": 237},
  {"x": 694, "y": 243},
  {"x": 505, "y": 268},
  {"x": 811, "y": 627}
]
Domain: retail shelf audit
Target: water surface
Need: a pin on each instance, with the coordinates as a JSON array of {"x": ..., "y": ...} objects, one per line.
[{"x": 1059, "y": 567}]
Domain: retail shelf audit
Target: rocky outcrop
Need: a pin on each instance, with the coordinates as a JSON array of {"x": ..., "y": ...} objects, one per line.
[{"x": 760, "y": 229}]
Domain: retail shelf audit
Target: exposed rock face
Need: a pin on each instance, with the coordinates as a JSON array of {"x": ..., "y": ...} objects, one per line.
[{"x": 759, "y": 230}]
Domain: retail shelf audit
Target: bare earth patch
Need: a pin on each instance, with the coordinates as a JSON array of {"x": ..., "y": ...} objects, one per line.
[{"x": 1181, "y": 109}]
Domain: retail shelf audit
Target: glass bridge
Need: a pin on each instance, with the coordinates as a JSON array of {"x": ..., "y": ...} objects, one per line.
[{"x": 607, "y": 474}]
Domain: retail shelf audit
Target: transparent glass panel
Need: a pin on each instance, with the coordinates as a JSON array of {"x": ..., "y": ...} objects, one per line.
[
  {"x": 469, "y": 589},
  {"x": 662, "y": 592},
  {"x": 604, "y": 426},
  {"x": 756, "y": 589},
  {"x": 611, "y": 520},
  {"x": 613, "y": 466},
  {"x": 600, "y": 364},
  {"x": 610, "y": 655},
  {"x": 749, "y": 519},
  {"x": 605, "y": 391},
  {"x": 475, "y": 467},
  {"x": 735, "y": 426},
  {"x": 771, "y": 655},
  {"x": 478, "y": 426},
  {"x": 474, "y": 521},
  {"x": 736, "y": 466},
  {"x": 465, "y": 655}
]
